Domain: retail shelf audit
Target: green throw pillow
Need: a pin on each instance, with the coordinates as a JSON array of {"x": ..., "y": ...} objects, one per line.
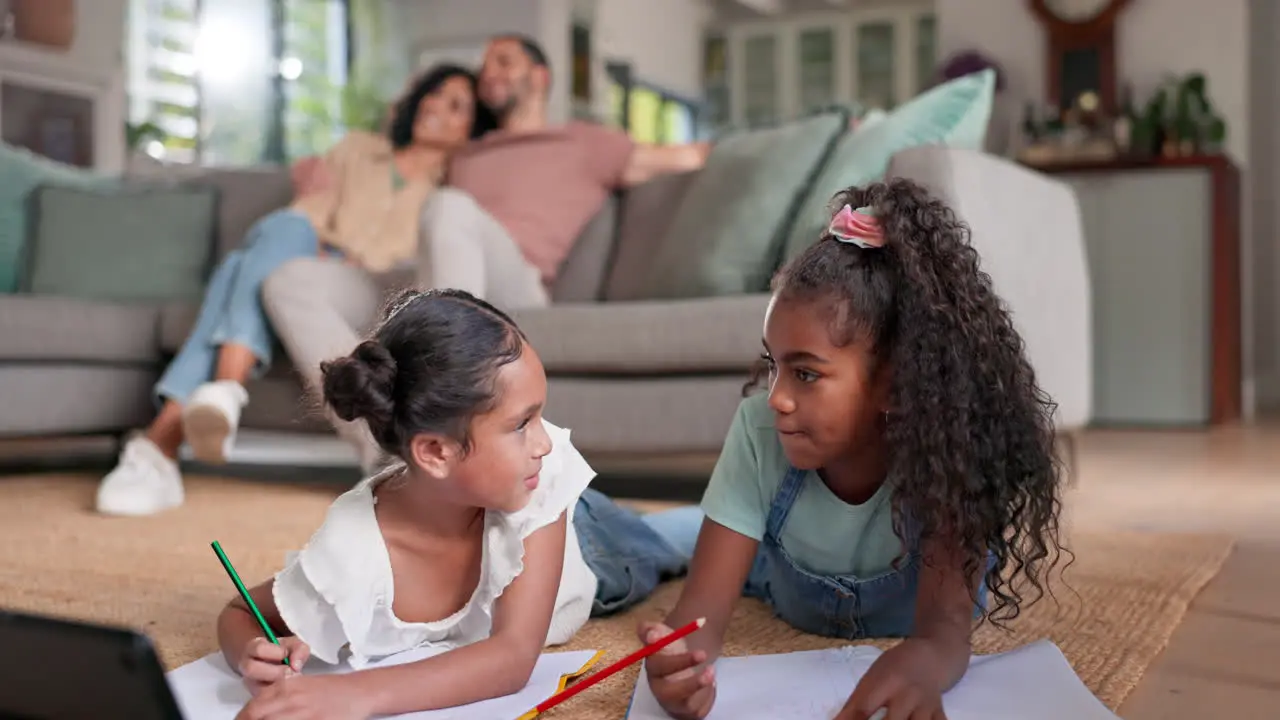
[
  {"x": 20, "y": 172},
  {"x": 727, "y": 233},
  {"x": 126, "y": 244},
  {"x": 954, "y": 114}
]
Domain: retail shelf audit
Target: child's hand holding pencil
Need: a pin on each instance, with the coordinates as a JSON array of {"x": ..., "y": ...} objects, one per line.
[
  {"x": 263, "y": 661},
  {"x": 680, "y": 684}
]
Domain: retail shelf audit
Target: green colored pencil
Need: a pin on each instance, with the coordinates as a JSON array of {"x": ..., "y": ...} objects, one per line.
[{"x": 244, "y": 595}]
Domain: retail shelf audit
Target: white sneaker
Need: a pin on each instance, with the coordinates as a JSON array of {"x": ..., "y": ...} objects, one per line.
[
  {"x": 144, "y": 482},
  {"x": 210, "y": 418}
]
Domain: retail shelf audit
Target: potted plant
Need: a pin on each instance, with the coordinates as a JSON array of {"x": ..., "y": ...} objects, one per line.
[
  {"x": 1215, "y": 134},
  {"x": 137, "y": 134},
  {"x": 363, "y": 107}
]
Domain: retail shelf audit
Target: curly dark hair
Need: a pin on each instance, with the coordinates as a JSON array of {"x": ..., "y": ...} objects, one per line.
[
  {"x": 405, "y": 112},
  {"x": 430, "y": 366},
  {"x": 970, "y": 435}
]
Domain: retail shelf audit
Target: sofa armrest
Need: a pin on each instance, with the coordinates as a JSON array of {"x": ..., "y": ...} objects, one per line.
[{"x": 1027, "y": 229}]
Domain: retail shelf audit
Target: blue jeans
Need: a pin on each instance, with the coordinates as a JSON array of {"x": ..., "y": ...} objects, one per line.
[
  {"x": 628, "y": 557},
  {"x": 678, "y": 527},
  {"x": 232, "y": 309}
]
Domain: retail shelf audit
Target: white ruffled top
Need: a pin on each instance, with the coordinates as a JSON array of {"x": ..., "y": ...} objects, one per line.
[{"x": 336, "y": 594}]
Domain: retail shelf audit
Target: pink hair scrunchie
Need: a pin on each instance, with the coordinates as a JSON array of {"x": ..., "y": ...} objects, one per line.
[{"x": 858, "y": 227}]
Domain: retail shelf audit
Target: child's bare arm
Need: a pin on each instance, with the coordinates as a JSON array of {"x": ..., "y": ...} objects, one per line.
[
  {"x": 246, "y": 647},
  {"x": 944, "y": 611},
  {"x": 721, "y": 562},
  {"x": 237, "y": 626},
  {"x": 499, "y": 665},
  {"x": 910, "y": 678},
  {"x": 679, "y": 675}
]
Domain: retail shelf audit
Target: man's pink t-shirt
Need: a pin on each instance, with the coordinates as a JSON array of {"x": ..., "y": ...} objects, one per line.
[{"x": 545, "y": 186}]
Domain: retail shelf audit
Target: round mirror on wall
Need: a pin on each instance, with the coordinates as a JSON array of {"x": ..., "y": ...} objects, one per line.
[{"x": 1076, "y": 11}]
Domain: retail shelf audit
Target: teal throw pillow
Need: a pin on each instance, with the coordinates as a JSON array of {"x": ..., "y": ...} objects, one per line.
[
  {"x": 954, "y": 114},
  {"x": 21, "y": 171},
  {"x": 124, "y": 244},
  {"x": 727, "y": 233}
]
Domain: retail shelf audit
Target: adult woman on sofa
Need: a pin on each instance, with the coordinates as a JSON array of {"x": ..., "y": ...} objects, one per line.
[{"x": 362, "y": 205}]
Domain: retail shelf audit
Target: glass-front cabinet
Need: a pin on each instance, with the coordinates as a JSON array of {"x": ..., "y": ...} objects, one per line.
[{"x": 776, "y": 69}]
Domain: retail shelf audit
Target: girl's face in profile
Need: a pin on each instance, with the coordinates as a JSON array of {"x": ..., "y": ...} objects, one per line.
[
  {"x": 500, "y": 471},
  {"x": 825, "y": 398}
]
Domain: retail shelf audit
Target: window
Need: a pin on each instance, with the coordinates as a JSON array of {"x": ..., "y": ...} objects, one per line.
[
  {"x": 760, "y": 76},
  {"x": 162, "y": 75},
  {"x": 865, "y": 55},
  {"x": 875, "y": 78},
  {"x": 648, "y": 113},
  {"x": 926, "y": 51},
  {"x": 715, "y": 83},
  {"x": 314, "y": 69},
  {"x": 238, "y": 82},
  {"x": 817, "y": 68}
]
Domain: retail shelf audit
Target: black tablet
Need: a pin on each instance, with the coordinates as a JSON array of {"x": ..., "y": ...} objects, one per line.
[{"x": 63, "y": 670}]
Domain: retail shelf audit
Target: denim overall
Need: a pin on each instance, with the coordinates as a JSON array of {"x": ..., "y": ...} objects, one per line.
[
  {"x": 631, "y": 555},
  {"x": 839, "y": 606}
]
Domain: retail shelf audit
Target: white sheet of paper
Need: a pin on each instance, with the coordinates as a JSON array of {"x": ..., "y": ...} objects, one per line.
[
  {"x": 208, "y": 689},
  {"x": 1033, "y": 682}
]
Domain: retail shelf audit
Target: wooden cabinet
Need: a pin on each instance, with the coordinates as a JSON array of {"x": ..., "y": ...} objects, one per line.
[
  {"x": 1163, "y": 244},
  {"x": 58, "y": 108}
]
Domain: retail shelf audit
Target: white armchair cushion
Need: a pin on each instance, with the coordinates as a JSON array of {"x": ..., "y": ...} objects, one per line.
[{"x": 1027, "y": 229}]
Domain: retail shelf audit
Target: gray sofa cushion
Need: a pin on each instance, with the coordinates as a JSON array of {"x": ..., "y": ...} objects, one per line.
[
  {"x": 56, "y": 329},
  {"x": 710, "y": 335},
  {"x": 245, "y": 194},
  {"x": 582, "y": 276},
  {"x": 175, "y": 323},
  {"x": 673, "y": 414},
  {"x": 643, "y": 218},
  {"x": 87, "y": 242},
  {"x": 51, "y": 398}
]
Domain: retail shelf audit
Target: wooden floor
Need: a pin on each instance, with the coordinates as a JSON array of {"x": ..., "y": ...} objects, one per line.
[{"x": 1224, "y": 660}]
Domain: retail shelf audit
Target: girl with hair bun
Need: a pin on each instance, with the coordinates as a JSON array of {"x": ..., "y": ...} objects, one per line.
[{"x": 483, "y": 541}]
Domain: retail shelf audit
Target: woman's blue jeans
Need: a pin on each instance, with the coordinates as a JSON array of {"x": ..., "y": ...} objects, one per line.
[{"x": 232, "y": 308}]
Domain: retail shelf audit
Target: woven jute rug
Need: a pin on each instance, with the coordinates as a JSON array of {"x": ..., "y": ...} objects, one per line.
[{"x": 1122, "y": 598}]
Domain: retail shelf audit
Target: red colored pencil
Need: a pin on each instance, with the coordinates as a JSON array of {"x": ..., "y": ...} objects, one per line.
[{"x": 640, "y": 654}]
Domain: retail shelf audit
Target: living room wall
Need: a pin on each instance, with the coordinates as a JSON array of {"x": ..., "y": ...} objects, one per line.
[
  {"x": 99, "y": 38},
  {"x": 1155, "y": 38}
]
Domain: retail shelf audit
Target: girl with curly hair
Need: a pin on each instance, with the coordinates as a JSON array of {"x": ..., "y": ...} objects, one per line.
[{"x": 900, "y": 468}]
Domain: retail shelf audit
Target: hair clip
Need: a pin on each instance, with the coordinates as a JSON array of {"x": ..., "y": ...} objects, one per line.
[{"x": 858, "y": 227}]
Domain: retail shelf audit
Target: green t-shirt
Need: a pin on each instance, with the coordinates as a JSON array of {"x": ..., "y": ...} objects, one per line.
[{"x": 823, "y": 534}]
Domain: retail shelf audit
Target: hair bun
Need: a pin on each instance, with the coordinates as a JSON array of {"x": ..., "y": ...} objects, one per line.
[{"x": 361, "y": 385}]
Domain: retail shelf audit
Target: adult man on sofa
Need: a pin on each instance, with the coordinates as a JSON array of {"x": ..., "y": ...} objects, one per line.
[{"x": 517, "y": 199}]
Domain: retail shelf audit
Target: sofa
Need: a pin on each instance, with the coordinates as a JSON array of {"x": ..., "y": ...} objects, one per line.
[{"x": 649, "y": 383}]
